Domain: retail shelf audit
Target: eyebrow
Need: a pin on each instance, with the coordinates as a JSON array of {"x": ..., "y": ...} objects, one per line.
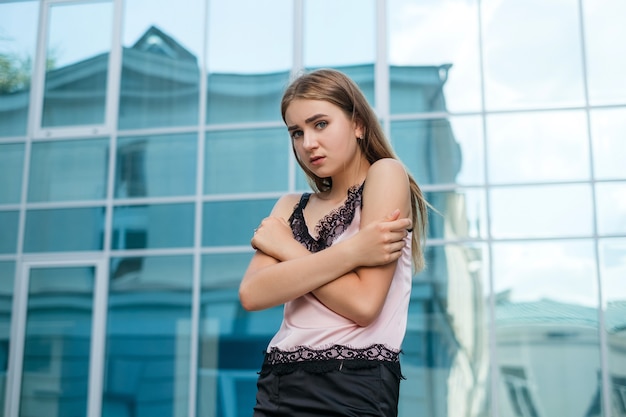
[{"x": 307, "y": 121}]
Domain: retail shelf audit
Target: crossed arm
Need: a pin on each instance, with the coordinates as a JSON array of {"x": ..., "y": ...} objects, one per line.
[{"x": 351, "y": 277}]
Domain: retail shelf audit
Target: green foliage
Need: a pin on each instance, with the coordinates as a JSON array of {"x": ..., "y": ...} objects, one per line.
[{"x": 15, "y": 73}]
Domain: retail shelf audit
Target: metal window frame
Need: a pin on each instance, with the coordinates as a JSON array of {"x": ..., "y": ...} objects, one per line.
[{"x": 18, "y": 326}]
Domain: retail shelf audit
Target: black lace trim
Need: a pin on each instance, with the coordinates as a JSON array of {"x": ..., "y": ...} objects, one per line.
[
  {"x": 340, "y": 352},
  {"x": 330, "y": 226},
  {"x": 334, "y": 358}
]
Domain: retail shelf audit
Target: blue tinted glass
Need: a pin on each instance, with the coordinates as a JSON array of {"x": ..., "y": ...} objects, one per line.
[
  {"x": 68, "y": 170},
  {"x": 445, "y": 334},
  {"x": 247, "y": 161},
  {"x": 228, "y": 223},
  {"x": 54, "y": 230},
  {"x": 57, "y": 343},
  {"x": 231, "y": 339},
  {"x": 160, "y": 63},
  {"x": 429, "y": 150},
  {"x": 8, "y": 231},
  {"x": 160, "y": 83},
  {"x": 362, "y": 75},
  {"x": 233, "y": 98},
  {"x": 148, "y": 337},
  {"x": 11, "y": 163},
  {"x": 76, "y": 71},
  {"x": 224, "y": 269},
  {"x": 18, "y": 21},
  {"x": 417, "y": 89},
  {"x": 461, "y": 214},
  {"x": 302, "y": 183},
  {"x": 156, "y": 166},
  {"x": 248, "y": 73},
  {"x": 7, "y": 271},
  {"x": 153, "y": 226}
]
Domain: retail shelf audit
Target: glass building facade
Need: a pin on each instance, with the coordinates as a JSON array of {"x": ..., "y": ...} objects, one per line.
[{"x": 141, "y": 143}]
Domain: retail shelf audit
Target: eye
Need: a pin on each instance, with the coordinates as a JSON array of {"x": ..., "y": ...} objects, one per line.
[
  {"x": 295, "y": 134},
  {"x": 321, "y": 124}
]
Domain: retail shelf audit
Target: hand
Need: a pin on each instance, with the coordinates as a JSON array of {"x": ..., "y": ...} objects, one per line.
[
  {"x": 273, "y": 237},
  {"x": 381, "y": 242}
]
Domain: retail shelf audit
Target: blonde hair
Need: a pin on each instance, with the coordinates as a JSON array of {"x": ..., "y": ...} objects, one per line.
[{"x": 335, "y": 87}]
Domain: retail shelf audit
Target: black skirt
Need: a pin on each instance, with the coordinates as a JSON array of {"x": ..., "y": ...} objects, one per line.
[{"x": 339, "y": 388}]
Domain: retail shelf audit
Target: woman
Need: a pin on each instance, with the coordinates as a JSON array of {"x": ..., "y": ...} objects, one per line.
[{"x": 346, "y": 282}]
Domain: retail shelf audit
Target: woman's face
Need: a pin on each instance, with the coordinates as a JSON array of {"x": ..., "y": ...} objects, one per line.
[{"x": 324, "y": 138}]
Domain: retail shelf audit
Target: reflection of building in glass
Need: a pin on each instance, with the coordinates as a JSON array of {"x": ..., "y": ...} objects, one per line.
[{"x": 538, "y": 343}]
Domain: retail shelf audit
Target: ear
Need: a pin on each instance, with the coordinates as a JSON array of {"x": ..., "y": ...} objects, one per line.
[{"x": 359, "y": 131}]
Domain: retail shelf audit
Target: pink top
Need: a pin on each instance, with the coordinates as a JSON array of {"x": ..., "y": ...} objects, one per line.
[{"x": 308, "y": 324}]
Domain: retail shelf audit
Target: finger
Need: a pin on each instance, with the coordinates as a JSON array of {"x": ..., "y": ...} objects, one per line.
[
  {"x": 400, "y": 224},
  {"x": 393, "y": 215}
]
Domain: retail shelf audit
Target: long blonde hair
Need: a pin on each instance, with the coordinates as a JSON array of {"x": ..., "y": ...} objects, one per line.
[{"x": 335, "y": 87}]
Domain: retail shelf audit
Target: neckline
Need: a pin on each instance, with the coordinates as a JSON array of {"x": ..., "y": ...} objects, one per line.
[
  {"x": 331, "y": 217},
  {"x": 329, "y": 226}
]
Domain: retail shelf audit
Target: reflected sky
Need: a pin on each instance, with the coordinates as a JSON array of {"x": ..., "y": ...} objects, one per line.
[
  {"x": 72, "y": 42},
  {"x": 562, "y": 271},
  {"x": 420, "y": 34}
]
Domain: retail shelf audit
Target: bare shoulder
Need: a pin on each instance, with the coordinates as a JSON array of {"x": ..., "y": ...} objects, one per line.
[
  {"x": 389, "y": 172},
  {"x": 285, "y": 205},
  {"x": 386, "y": 188}
]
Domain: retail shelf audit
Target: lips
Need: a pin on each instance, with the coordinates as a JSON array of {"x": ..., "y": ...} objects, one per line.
[{"x": 316, "y": 160}]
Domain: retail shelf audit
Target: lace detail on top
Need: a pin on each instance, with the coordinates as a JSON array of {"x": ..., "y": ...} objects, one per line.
[
  {"x": 334, "y": 358},
  {"x": 330, "y": 226},
  {"x": 377, "y": 352}
]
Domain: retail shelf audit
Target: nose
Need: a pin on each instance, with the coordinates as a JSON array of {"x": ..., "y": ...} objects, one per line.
[{"x": 309, "y": 141}]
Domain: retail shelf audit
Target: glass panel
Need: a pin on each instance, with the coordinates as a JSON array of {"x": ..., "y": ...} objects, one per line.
[
  {"x": 417, "y": 89},
  {"x": 241, "y": 161},
  {"x": 608, "y": 129},
  {"x": 9, "y": 221},
  {"x": 461, "y": 214},
  {"x": 228, "y": 223},
  {"x": 301, "y": 181},
  {"x": 611, "y": 203},
  {"x": 231, "y": 339},
  {"x": 441, "y": 151},
  {"x": 68, "y": 170},
  {"x": 7, "y": 276},
  {"x": 248, "y": 73},
  {"x": 446, "y": 350},
  {"x": 433, "y": 52},
  {"x": 11, "y": 165},
  {"x": 156, "y": 166},
  {"x": 153, "y": 226},
  {"x": 546, "y": 320},
  {"x": 55, "y": 374},
  {"x": 160, "y": 65},
  {"x": 148, "y": 337},
  {"x": 18, "y": 31},
  {"x": 613, "y": 271},
  {"x": 76, "y": 71},
  {"x": 541, "y": 211},
  {"x": 605, "y": 68},
  {"x": 522, "y": 66},
  {"x": 329, "y": 40},
  {"x": 59, "y": 230},
  {"x": 331, "y": 29},
  {"x": 532, "y": 147}
]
